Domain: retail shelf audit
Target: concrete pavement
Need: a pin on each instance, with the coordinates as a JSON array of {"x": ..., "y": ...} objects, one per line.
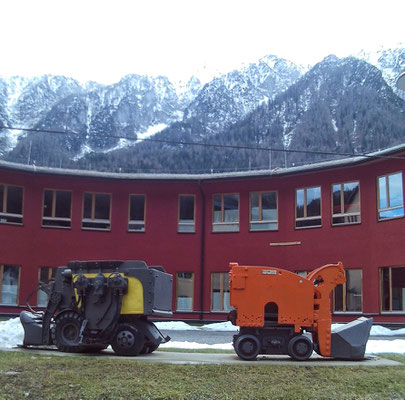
[{"x": 219, "y": 358}]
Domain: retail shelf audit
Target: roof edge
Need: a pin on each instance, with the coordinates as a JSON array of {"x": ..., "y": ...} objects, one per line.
[{"x": 201, "y": 177}]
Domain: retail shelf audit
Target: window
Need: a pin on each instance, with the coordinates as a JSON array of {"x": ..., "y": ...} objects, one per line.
[
  {"x": 392, "y": 284},
  {"x": 225, "y": 213},
  {"x": 348, "y": 297},
  {"x": 57, "y": 208},
  {"x": 11, "y": 204},
  {"x": 9, "y": 278},
  {"x": 263, "y": 211},
  {"x": 96, "y": 211},
  {"x": 390, "y": 196},
  {"x": 346, "y": 203},
  {"x": 45, "y": 275},
  {"x": 186, "y": 214},
  {"x": 136, "y": 213},
  {"x": 308, "y": 207},
  {"x": 220, "y": 291},
  {"x": 184, "y": 291}
]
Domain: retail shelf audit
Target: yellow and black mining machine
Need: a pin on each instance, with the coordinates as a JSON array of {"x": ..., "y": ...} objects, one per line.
[
  {"x": 274, "y": 308},
  {"x": 94, "y": 304}
]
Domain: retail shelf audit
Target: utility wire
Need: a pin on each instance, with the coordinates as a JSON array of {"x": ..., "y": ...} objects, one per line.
[{"x": 224, "y": 146}]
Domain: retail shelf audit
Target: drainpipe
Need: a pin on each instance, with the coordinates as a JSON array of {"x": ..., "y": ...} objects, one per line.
[{"x": 202, "y": 249}]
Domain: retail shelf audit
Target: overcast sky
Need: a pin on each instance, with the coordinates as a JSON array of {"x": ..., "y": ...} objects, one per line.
[{"x": 105, "y": 40}]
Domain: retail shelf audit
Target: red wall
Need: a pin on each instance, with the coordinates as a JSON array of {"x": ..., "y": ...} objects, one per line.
[{"x": 368, "y": 245}]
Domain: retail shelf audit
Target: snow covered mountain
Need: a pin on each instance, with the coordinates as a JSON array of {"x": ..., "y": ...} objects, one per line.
[
  {"x": 24, "y": 102},
  {"x": 272, "y": 102},
  {"x": 340, "y": 106},
  {"x": 106, "y": 118},
  {"x": 229, "y": 98},
  {"x": 391, "y": 62}
]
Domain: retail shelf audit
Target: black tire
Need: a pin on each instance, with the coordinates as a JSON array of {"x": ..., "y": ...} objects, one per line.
[
  {"x": 149, "y": 348},
  {"x": 300, "y": 348},
  {"x": 128, "y": 340},
  {"x": 66, "y": 334},
  {"x": 247, "y": 347}
]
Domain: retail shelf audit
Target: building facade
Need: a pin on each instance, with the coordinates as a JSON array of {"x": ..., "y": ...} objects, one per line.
[{"x": 298, "y": 218}]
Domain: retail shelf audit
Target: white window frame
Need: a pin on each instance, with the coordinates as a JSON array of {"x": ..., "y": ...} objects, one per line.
[
  {"x": 140, "y": 224},
  {"x": 349, "y": 218},
  {"x": 306, "y": 217},
  {"x": 225, "y": 226},
  {"x": 257, "y": 225},
  {"x": 387, "y": 194},
  {"x": 186, "y": 226},
  {"x": 92, "y": 219},
  {"x": 53, "y": 211}
]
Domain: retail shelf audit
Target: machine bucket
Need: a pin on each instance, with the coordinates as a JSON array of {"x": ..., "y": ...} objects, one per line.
[
  {"x": 349, "y": 341},
  {"x": 32, "y": 329}
]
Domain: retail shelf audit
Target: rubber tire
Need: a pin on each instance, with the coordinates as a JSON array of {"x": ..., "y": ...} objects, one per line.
[
  {"x": 128, "y": 340},
  {"x": 149, "y": 348},
  {"x": 300, "y": 348},
  {"x": 66, "y": 333},
  {"x": 247, "y": 347}
]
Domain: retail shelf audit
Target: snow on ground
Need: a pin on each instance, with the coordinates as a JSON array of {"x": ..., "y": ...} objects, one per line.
[
  {"x": 12, "y": 334},
  {"x": 197, "y": 346},
  {"x": 182, "y": 326}
]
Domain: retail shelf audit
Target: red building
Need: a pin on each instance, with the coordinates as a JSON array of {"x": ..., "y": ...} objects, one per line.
[{"x": 297, "y": 218}]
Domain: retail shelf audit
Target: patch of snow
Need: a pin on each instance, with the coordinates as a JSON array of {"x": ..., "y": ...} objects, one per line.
[
  {"x": 85, "y": 149},
  {"x": 176, "y": 326},
  {"x": 385, "y": 346},
  {"x": 12, "y": 334},
  {"x": 151, "y": 131},
  {"x": 220, "y": 326},
  {"x": 335, "y": 128},
  {"x": 197, "y": 346},
  {"x": 182, "y": 326},
  {"x": 122, "y": 144},
  {"x": 378, "y": 330}
]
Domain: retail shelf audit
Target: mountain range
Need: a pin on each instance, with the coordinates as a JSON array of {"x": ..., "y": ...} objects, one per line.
[{"x": 337, "y": 107}]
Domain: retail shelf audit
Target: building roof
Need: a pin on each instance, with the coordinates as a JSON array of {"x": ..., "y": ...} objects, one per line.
[{"x": 386, "y": 153}]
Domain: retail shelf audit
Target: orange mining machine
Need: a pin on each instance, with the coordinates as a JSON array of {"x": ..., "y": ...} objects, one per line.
[{"x": 278, "y": 311}]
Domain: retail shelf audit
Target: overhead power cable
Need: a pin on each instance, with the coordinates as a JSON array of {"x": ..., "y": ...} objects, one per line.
[{"x": 217, "y": 145}]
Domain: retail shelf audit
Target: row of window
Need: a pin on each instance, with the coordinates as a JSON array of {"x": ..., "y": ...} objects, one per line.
[
  {"x": 346, "y": 298},
  {"x": 57, "y": 207}
]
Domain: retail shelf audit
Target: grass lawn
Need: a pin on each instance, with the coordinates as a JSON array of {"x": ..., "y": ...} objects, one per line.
[{"x": 26, "y": 376}]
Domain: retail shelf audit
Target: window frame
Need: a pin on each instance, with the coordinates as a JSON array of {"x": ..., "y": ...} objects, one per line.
[
  {"x": 182, "y": 224},
  {"x": 380, "y": 273},
  {"x": 261, "y": 221},
  {"x": 18, "y": 284},
  {"x": 222, "y": 308},
  {"x": 223, "y": 223},
  {"x": 387, "y": 193},
  {"x": 177, "y": 291},
  {"x": 93, "y": 220},
  {"x": 4, "y": 213},
  {"x": 305, "y": 217},
  {"x": 136, "y": 221},
  {"x": 344, "y": 295},
  {"x": 342, "y": 205},
  {"x": 53, "y": 211}
]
